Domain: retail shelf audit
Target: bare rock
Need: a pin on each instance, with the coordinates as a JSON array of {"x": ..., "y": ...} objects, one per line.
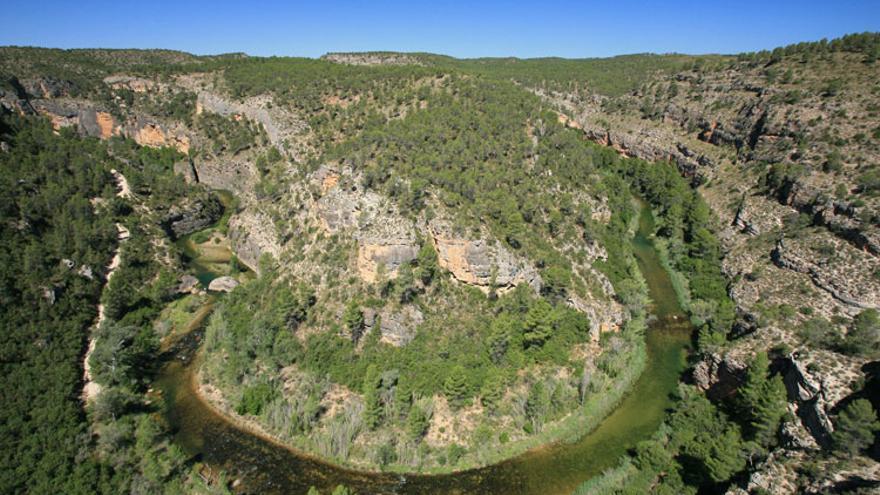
[
  {"x": 188, "y": 284},
  {"x": 397, "y": 327},
  {"x": 371, "y": 58},
  {"x": 47, "y": 87},
  {"x": 192, "y": 215},
  {"x": 389, "y": 254},
  {"x": 482, "y": 263},
  {"x": 808, "y": 396},
  {"x": 252, "y": 234},
  {"x": 223, "y": 284},
  {"x": 719, "y": 376},
  {"x": 146, "y": 133},
  {"x": 86, "y": 271}
]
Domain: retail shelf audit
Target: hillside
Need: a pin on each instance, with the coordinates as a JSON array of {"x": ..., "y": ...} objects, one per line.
[{"x": 428, "y": 260}]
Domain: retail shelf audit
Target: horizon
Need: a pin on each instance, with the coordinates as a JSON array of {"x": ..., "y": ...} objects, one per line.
[{"x": 494, "y": 29}]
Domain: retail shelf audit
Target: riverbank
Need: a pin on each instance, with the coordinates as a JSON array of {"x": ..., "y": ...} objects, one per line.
[
  {"x": 569, "y": 429},
  {"x": 629, "y": 414}
]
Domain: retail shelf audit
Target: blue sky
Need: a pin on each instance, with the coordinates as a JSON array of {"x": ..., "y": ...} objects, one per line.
[{"x": 458, "y": 28}]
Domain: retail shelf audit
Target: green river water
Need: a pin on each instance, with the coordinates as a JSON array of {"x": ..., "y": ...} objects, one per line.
[{"x": 265, "y": 467}]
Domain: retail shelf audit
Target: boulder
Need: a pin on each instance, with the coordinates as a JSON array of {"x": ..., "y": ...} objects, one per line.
[
  {"x": 223, "y": 284},
  {"x": 187, "y": 285}
]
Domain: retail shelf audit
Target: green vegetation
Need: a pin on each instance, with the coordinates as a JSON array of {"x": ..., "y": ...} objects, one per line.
[
  {"x": 609, "y": 76},
  {"x": 229, "y": 135},
  {"x": 52, "y": 236},
  {"x": 855, "y": 428},
  {"x": 46, "y": 306},
  {"x": 466, "y": 140},
  {"x": 686, "y": 224}
]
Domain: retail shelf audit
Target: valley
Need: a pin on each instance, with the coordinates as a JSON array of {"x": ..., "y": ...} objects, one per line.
[{"x": 392, "y": 272}]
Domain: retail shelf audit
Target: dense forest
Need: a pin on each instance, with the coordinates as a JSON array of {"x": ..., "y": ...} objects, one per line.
[{"x": 59, "y": 211}]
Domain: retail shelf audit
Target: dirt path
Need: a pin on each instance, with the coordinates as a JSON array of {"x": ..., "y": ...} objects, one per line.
[{"x": 91, "y": 389}]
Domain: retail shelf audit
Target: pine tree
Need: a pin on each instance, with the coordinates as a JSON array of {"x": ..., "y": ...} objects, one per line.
[
  {"x": 455, "y": 387},
  {"x": 538, "y": 327},
  {"x": 417, "y": 423},
  {"x": 762, "y": 401},
  {"x": 354, "y": 320},
  {"x": 492, "y": 392},
  {"x": 402, "y": 397},
  {"x": 372, "y": 402},
  {"x": 537, "y": 405},
  {"x": 427, "y": 261},
  {"x": 855, "y": 428}
]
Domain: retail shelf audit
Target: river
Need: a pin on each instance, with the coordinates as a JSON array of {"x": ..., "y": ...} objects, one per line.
[{"x": 265, "y": 467}]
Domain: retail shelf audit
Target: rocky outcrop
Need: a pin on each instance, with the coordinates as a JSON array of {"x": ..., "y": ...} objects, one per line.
[
  {"x": 131, "y": 83},
  {"x": 843, "y": 272},
  {"x": 397, "y": 327},
  {"x": 227, "y": 173},
  {"x": 604, "y": 316},
  {"x": 280, "y": 124},
  {"x": 373, "y": 58},
  {"x": 651, "y": 143},
  {"x": 807, "y": 394},
  {"x": 223, "y": 284},
  {"x": 385, "y": 256},
  {"x": 252, "y": 234},
  {"x": 47, "y": 87},
  {"x": 482, "y": 263},
  {"x": 194, "y": 214},
  {"x": 839, "y": 217},
  {"x": 188, "y": 284},
  {"x": 154, "y": 135},
  {"x": 96, "y": 121},
  {"x": 718, "y": 376}
]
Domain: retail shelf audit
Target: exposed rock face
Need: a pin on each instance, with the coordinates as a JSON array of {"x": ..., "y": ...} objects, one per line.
[
  {"x": 135, "y": 84},
  {"x": 385, "y": 238},
  {"x": 839, "y": 217},
  {"x": 389, "y": 254},
  {"x": 398, "y": 327},
  {"x": 647, "y": 143},
  {"x": 92, "y": 120},
  {"x": 773, "y": 475},
  {"x": 187, "y": 169},
  {"x": 223, "y": 284},
  {"x": 193, "y": 215},
  {"x": 151, "y": 134},
  {"x": 604, "y": 316},
  {"x": 230, "y": 174},
  {"x": 105, "y": 125},
  {"x": 481, "y": 263},
  {"x": 47, "y": 87},
  {"x": 376, "y": 58},
  {"x": 252, "y": 234},
  {"x": 794, "y": 434},
  {"x": 280, "y": 125},
  {"x": 719, "y": 376},
  {"x": 807, "y": 394}
]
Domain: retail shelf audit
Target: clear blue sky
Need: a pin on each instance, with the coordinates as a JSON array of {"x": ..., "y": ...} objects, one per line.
[{"x": 459, "y": 28}]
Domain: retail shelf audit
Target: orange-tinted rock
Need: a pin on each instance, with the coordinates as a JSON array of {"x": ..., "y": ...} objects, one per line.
[{"x": 105, "y": 123}]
